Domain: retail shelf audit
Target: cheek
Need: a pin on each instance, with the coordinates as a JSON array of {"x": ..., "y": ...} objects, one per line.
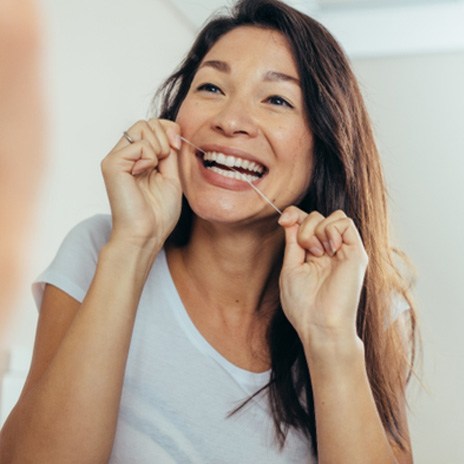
[
  {"x": 188, "y": 116},
  {"x": 302, "y": 166},
  {"x": 181, "y": 115}
]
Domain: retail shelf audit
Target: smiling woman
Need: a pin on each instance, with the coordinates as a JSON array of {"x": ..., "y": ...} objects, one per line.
[
  {"x": 191, "y": 325},
  {"x": 245, "y": 109}
]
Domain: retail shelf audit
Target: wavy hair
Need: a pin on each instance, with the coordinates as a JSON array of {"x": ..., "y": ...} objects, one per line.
[{"x": 347, "y": 175}]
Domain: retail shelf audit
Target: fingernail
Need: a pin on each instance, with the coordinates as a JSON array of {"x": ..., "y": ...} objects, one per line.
[
  {"x": 329, "y": 248},
  {"x": 333, "y": 248},
  {"x": 316, "y": 251},
  {"x": 284, "y": 217},
  {"x": 177, "y": 141}
]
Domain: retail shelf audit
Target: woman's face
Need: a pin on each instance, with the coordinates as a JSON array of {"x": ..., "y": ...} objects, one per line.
[{"x": 245, "y": 109}]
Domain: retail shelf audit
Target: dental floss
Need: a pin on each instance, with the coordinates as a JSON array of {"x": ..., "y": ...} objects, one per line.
[{"x": 256, "y": 189}]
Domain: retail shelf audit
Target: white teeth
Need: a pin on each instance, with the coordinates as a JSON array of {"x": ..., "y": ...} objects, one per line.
[
  {"x": 221, "y": 159},
  {"x": 234, "y": 174},
  {"x": 233, "y": 162},
  {"x": 230, "y": 161}
]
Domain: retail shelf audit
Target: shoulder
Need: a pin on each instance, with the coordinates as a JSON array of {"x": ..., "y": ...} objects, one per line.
[
  {"x": 73, "y": 266},
  {"x": 87, "y": 237},
  {"x": 97, "y": 228}
]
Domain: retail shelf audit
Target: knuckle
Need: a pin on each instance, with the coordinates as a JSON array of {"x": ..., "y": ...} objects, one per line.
[
  {"x": 293, "y": 210},
  {"x": 303, "y": 236},
  {"x": 339, "y": 213},
  {"x": 140, "y": 122},
  {"x": 145, "y": 145},
  {"x": 315, "y": 215},
  {"x": 104, "y": 163},
  {"x": 350, "y": 222},
  {"x": 321, "y": 229}
]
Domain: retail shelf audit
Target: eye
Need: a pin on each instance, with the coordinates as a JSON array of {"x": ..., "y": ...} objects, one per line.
[
  {"x": 208, "y": 87},
  {"x": 279, "y": 101}
]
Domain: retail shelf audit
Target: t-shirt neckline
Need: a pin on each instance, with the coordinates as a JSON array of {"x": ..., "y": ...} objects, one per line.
[{"x": 251, "y": 381}]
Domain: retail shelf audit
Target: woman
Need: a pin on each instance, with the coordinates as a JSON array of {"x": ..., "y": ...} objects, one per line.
[{"x": 196, "y": 326}]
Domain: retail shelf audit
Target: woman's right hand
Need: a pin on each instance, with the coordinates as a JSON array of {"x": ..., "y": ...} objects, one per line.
[{"x": 142, "y": 182}]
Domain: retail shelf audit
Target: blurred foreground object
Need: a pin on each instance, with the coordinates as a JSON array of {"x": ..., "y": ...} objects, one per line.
[{"x": 21, "y": 140}]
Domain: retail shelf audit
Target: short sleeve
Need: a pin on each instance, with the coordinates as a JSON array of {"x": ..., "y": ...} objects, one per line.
[{"x": 74, "y": 265}]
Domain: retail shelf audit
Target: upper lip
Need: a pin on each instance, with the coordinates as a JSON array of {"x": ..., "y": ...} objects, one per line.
[{"x": 229, "y": 151}]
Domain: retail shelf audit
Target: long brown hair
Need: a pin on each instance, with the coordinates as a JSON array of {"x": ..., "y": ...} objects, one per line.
[{"x": 347, "y": 175}]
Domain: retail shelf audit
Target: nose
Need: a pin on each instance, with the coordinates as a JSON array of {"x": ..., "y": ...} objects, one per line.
[{"x": 235, "y": 118}]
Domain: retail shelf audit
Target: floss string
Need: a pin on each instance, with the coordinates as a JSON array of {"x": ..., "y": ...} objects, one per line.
[{"x": 256, "y": 189}]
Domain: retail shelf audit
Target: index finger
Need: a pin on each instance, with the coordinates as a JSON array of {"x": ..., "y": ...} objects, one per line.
[
  {"x": 170, "y": 129},
  {"x": 292, "y": 215}
]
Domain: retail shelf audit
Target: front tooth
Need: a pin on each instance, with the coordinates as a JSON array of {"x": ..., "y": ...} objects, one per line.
[
  {"x": 230, "y": 161},
  {"x": 221, "y": 158}
]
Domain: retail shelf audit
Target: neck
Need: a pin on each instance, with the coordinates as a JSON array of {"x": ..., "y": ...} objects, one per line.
[{"x": 232, "y": 267}]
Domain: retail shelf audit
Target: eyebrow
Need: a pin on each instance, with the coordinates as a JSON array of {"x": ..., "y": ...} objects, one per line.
[
  {"x": 269, "y": 76},
  {"x": 275, "y": 76},
  {"x": 216, "y": 64}
]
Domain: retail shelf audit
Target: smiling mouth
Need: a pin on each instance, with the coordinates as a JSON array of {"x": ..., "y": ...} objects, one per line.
[{"x": 231, "y": 166}]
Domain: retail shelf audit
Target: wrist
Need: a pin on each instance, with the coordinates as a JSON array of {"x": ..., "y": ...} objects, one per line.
[
  {"x": 333, "y": 347},
  {"x": 130, "y": 254},
  {"x": 138, "y": 243}
]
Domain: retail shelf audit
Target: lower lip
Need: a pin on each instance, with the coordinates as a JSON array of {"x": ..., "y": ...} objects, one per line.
[{"x": 219, "y": 180}]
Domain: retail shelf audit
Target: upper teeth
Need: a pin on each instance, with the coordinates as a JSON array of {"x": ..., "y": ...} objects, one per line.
[{"x": 233, "y": 162}]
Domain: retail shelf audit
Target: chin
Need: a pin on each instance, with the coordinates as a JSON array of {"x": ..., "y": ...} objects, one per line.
[{"x": 220, "y": 212}]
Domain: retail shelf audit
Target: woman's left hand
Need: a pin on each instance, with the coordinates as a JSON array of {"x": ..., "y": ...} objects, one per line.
[{"x": 322, "y": 275}]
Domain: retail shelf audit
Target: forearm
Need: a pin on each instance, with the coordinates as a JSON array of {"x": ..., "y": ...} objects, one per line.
[
  {"x": 70, "y": 413},
  {"x": 349, "y": 428}
]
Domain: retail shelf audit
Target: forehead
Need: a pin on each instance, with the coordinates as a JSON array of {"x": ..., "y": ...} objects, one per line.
[{"x": 253, "y": 45}]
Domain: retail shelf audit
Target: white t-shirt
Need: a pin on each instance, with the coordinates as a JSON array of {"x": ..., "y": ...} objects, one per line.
[{"x": 178, "y": 390}]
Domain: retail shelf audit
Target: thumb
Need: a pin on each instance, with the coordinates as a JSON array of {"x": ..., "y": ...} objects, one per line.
[
  {"x": 169, "y": 167},
  {"x": 294, "y": 254}
]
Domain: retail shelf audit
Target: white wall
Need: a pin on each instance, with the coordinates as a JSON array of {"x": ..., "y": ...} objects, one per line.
[
  {"x": 105, "y": 59},
  {"x": 417, "y": 105}
]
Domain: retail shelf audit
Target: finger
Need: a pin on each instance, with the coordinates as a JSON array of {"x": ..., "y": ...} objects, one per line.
[
  {"x": 151, "y": 131},
  {"x": 142, "y": 166},
  {"x": 294, "y": 254},
  {"x": 346, "y": 229},
  {"x": 159, "y": 138},
  {"x": 167, "y": 134},
  {"x": 307, "y": 237},
  {"x": 169, "y": 166},
  {"x": 125, "y": 158},
  {"x": 173, "y": 132},
  {"x": 328, "y": 236},
  {"x": 130, "y": 136},
  {"x": 292, "y": 215}
]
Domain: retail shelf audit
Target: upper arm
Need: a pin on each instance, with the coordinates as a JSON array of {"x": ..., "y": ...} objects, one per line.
[{"x": 57, "y": 312}]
